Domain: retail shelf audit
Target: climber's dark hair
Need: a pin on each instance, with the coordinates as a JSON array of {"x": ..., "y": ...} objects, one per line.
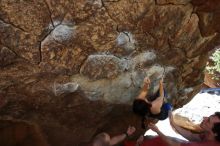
[
  {"x": 141, "y": 107},
  {"x": 216, "y": 127}
]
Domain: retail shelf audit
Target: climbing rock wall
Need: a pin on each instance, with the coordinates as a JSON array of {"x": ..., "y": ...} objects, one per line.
[{"x": 102, "y": 50}]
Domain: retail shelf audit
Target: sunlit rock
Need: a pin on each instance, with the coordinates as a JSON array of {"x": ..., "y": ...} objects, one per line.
[{"x": 143, "y": 59}]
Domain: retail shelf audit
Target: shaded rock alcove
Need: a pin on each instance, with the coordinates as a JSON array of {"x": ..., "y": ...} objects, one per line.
[{"x": 74, "y": 67}]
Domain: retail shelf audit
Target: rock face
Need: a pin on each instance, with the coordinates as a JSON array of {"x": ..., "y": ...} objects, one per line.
[{"x": 69, "y": 66}]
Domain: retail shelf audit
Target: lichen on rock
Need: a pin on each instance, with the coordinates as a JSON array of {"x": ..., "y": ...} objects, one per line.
[
  {"x": 102, "y": 66},
  {"x": 106, "y": 47}
]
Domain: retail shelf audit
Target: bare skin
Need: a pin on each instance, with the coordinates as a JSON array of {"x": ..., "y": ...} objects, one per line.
[
  {"x": 158, "y": 102},
  {"x": 166, "y": 139},
  {"x": 119, "y": 138},
  {"x": 110, "y": 141},
  {"x": 139, "y": 140},
  {"x": 207, "y": 125},
  {"x": 185, "y": 133}
]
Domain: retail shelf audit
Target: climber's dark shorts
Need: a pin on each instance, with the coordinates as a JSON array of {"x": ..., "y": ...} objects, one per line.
[
  {"x": 164, "y": 109},
  {"x": 163, "y": 113}
]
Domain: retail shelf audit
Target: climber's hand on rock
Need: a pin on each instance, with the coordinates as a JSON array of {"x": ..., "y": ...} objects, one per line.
[
  {"x": 147, "y": 81},
  {"x": 161, "y": 81}
]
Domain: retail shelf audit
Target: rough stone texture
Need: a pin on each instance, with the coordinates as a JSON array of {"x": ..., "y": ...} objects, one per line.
[
  {"x": 102, "y": 66},
  {"x": 101, "y": 50},
  {"x": 15, "y": 132},
  {"x": 6, "y": 56},
  {"x": 175, "y": 2},
  {"x": 62, "y": 118}
]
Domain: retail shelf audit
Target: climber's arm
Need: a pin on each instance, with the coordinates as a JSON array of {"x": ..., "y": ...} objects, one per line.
[
  {"x": 158, "y": 102},
  {"x": 165, "y": 138},
  {"x": 144, "y": 89},
  {"x": 119, "y": 138}
]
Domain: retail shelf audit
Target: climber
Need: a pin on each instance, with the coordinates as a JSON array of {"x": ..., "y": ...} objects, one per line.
[
  {"x": 103, "y": 139},
  {"x": 151, "y": 108}
]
